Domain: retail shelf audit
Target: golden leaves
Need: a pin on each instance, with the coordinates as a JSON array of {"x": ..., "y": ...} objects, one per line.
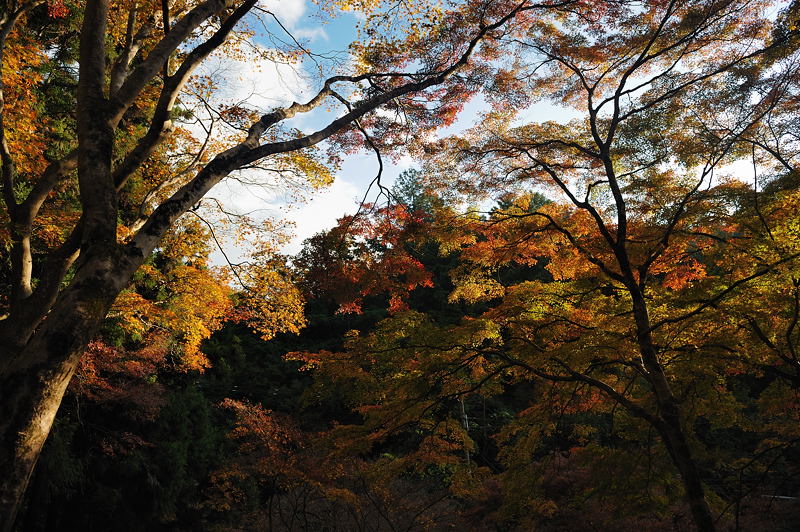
[
  {"x": 271, "y": 303},
  {"x": 184, "y": 298},
  {"x": 25, "y": 126},
  {"x": 473, "y": 284}
]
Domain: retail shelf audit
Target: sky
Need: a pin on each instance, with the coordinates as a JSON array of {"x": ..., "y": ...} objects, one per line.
[{"x": 264, "y": 84}]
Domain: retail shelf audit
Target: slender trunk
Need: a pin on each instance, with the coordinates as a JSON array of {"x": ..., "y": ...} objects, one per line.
[
  {"x": 669, "y": 426},
  {"x": 675, "y": 440}
]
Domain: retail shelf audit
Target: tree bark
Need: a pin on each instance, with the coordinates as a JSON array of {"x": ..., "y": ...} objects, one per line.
[
  {"x": 34, "y": 380},
  {"x": 669, "y": 424}
]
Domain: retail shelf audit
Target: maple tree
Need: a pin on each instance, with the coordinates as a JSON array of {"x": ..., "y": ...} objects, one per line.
[
  {"x": 420, "y": 408},
  {"x": 658, "y": 250},
  {"x": 617, "y": 337}
]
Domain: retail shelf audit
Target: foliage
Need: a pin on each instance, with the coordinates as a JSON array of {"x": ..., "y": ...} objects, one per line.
[{"x": 590, "y": 323}]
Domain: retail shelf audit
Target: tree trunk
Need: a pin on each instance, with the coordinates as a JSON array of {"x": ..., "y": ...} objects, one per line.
[
  {"x": 675, "y": 440},
  {"x": 669, "y": 419},
  {"x": 30, "y": 397},
  {"x": 33, "y": 381}
]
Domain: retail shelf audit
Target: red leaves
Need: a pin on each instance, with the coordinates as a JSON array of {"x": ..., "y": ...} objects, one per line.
[
  {"x": 57, "y": 9},
  {"x": 114, "y": 375},
  {"x": 366, "y": 256}
]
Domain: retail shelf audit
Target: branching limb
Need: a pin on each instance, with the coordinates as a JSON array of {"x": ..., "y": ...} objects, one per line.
[
  {"x": 161, "y": 125},
  {"x": 249, "y": 151},
  {"x": 132, "y": 46},
  {"x": 180, "y": 32},
  {"x": 724, "y": 293}
]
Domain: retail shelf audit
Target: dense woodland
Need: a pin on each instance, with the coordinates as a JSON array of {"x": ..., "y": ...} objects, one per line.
[{"x": 589, "y": 321}]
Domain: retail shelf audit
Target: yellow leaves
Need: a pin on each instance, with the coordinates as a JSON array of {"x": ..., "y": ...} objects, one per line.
[
  {"x": 406, "y": 17},
  {"x": 468, "y": 482},
  {"x": 403, "y": 325},
  {"x": 186, "y": 300},
  {"x": 473, "y": 284},
  {"x": 132, "y": 310},
  {"x": 784, "y": 224},
  {"x": 25, "y": 128},
  {"x": 200, "y": 305},
  {"x": 532, "y": 301},
  {"x": 267, "y": 298},
  {"x": 270, "y": 302},
  {"x": 307, "y": 164},
  {"x": 476, "y": 332}
]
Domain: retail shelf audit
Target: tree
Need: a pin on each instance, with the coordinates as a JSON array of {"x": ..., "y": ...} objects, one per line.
[
  {"x": 641, "y": 238},
  {"x": 115, "y": 115},
  {"x": 660, "y": 117}
]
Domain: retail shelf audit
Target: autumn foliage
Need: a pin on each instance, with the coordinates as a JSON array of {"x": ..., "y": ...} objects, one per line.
[{"x": 581, "y": 312}]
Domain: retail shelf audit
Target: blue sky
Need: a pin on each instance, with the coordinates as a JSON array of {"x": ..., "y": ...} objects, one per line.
[{"x": 265, "y": 85}]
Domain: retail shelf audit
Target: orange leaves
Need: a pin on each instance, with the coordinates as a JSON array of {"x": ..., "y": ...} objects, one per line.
[
  {"x": 310, "y": 360},
  {"x": 25, "y": 127},
  {"x": 57, "y": 9},
  {"x": 268, "y": 446},
  {"x": 238, "y": 116},
  {"x": 682, "y": 274},
  {"x": 310, "y": 475},
  {"x": 53, "y": 226},
  {"x": 262, "y": 431}
]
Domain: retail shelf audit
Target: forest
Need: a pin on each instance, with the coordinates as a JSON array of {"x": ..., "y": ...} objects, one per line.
[{"x": 575, "y": 306}]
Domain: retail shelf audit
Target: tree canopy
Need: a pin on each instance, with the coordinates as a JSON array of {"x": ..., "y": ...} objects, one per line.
[{"x": 578, "y": 321}]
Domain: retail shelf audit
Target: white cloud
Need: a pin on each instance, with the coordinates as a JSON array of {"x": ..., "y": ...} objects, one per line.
[
  {"x": 543, "y": 111},
  {"x": 261, "y": 84},
  {"x": 405, "y": 162},
  {"x": 289, "y": 12},
  {"x": 255, "y": 81},
  {"x": 312, "y": 34},
  {"x": 323, "y": 207},
  {"x": 322, "y": 211}
]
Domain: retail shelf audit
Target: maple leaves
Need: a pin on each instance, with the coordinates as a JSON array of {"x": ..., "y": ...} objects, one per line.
[
  {"x": 176, "y": 294},
  {"x": 270, "y": 302},
  {"x": 365, "y": 256},
  {"x": 645, "y": 248},
  {"x": 300, "y": 480},
  {"x": 632, "y": 297},
  {"x": 20, "y": 75}
]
